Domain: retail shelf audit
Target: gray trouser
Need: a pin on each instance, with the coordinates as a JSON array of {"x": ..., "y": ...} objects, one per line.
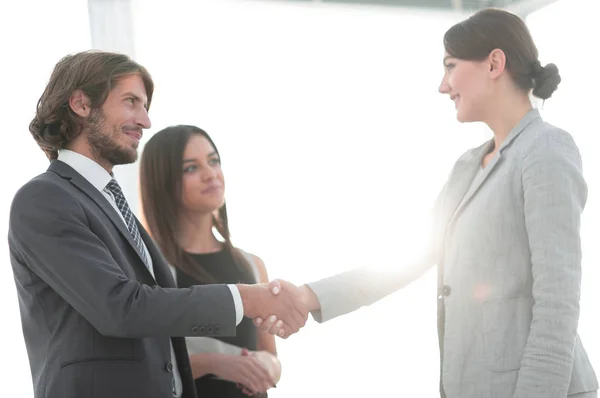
[{"x": 591, "y": 394}]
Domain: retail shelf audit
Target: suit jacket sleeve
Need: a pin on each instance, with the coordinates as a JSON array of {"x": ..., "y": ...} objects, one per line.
[
  {"x": 49, "y": 232},
  {"x": 554, "y": 197}
]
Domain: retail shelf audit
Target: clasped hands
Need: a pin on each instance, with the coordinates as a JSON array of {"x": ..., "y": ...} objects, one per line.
[{"x": 280, "y": 307}]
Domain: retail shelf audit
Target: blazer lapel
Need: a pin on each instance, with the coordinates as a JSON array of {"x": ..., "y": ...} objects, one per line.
[
  {"x": 470, "y": 191},
  {"x": 458, "y": 184},
  {"x": 68, "y": 173},
  {"x": 464, "y": 176}
]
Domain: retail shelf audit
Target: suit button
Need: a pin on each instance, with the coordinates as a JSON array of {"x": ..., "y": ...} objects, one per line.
[
  {"x": 169, "y": 367},
  {"x": 195, "y": 330},
  {"x": 217, "y": 329},
  {"x": 446, "y": 290},
  {"x": 209, "y": 330},
  {"x": 202, "y": 330}
]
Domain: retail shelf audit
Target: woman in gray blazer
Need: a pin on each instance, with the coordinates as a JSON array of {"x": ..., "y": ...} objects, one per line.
[{"x": 506, "y": 238}]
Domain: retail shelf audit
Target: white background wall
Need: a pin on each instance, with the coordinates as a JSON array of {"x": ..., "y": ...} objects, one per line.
[
  {"x": 334, "y": 143},
  {"x": 34, "y": 35}
]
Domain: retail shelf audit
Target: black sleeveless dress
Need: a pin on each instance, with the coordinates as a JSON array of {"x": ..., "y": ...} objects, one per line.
[{"x": 224, "y": 269}]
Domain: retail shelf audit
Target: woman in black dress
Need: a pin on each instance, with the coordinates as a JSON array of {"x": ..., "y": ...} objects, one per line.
[{"x": 182, "y": 187}]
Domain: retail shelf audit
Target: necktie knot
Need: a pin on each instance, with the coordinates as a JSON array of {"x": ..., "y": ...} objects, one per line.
[{"x": 114, "y": 187}]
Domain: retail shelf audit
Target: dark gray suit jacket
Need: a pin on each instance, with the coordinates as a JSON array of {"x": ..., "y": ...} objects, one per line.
[{"x": 95, "y": 321}]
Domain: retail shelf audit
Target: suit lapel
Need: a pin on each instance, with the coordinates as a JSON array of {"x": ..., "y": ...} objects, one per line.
[
  {"x": 459, "y": 195},
  {"x": 68, "y": 173},
  {"x": 468, "y": 191},
  {"x": 458, "y": 184}
]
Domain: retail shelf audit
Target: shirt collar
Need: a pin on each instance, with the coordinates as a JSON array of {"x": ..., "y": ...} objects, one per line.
[{"x": 89, "y": 169}]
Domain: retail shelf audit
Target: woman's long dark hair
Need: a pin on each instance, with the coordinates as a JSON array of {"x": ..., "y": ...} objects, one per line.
[{"x": 161, "y": 174}]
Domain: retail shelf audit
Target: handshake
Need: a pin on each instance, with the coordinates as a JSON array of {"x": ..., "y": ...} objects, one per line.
[{"x": 280, "y": 307}]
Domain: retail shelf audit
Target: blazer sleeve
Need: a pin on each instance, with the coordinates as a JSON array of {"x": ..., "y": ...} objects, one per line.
[
  {"x": 554, "y": 197},
  {"x": 49, "y": 234},
  {"x": 348, "y": 291}
]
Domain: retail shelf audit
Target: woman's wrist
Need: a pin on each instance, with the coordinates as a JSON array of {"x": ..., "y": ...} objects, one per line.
[
  {"x": 309, "y": 298},
  {"x": 205, "y": 363}
]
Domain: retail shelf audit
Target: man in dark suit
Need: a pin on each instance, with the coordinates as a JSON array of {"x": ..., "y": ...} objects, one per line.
[{"x": 100, "y": 314}]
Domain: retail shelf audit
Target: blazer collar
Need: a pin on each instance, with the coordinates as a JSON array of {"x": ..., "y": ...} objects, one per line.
[{"x": 529, "y": 117}]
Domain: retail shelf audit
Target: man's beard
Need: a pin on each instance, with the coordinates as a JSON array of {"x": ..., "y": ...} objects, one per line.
[{"x": 104, "y": 141}]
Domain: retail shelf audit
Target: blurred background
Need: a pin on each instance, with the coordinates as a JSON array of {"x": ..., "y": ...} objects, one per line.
[{"x": 334, "y": 143}]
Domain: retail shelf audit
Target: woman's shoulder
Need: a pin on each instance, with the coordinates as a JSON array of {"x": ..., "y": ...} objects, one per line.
[
  {"x": 257, "y": 263},
  {"x": 543, "y": 138},
  {"x": 250, "y": 256}
]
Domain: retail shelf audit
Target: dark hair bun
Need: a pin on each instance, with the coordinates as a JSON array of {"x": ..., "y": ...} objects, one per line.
[{"x": 546, "y": 81}]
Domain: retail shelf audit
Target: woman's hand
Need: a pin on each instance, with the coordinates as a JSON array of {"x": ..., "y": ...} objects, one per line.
[
  {"x": 246, "y": 370},
  {"x": 270, "y": 362}
]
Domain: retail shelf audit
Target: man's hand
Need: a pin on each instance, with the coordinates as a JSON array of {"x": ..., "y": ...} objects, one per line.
[
  {"x": 285, "y": 305},
  {"x": 278, "y": 327}
]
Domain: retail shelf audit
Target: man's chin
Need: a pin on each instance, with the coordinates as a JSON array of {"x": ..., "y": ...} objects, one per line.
[{"x": 124, "y": 156}]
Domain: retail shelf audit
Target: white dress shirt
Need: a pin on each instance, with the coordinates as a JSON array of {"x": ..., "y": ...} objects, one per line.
[{"x": 99, "y": 178}]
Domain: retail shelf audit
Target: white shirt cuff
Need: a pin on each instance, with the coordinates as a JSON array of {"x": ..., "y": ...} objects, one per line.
[{"x": 237, "y": 301}]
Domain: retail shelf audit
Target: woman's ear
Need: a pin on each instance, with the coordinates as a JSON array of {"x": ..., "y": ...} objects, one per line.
[{"x": 496, "y": 63}]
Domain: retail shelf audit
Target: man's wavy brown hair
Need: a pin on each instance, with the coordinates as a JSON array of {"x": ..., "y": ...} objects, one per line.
[{"x": 93, "y": 72}]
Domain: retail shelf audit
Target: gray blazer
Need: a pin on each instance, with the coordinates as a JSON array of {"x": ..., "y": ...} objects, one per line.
[
  {"x": 95, "y": 321},
  {"x": 509, "y": 270}
]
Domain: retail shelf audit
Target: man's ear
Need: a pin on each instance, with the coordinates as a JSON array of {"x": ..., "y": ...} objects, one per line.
[
  {"x": 497, "y": 63},
  {"x": 80, "y": 103}
]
